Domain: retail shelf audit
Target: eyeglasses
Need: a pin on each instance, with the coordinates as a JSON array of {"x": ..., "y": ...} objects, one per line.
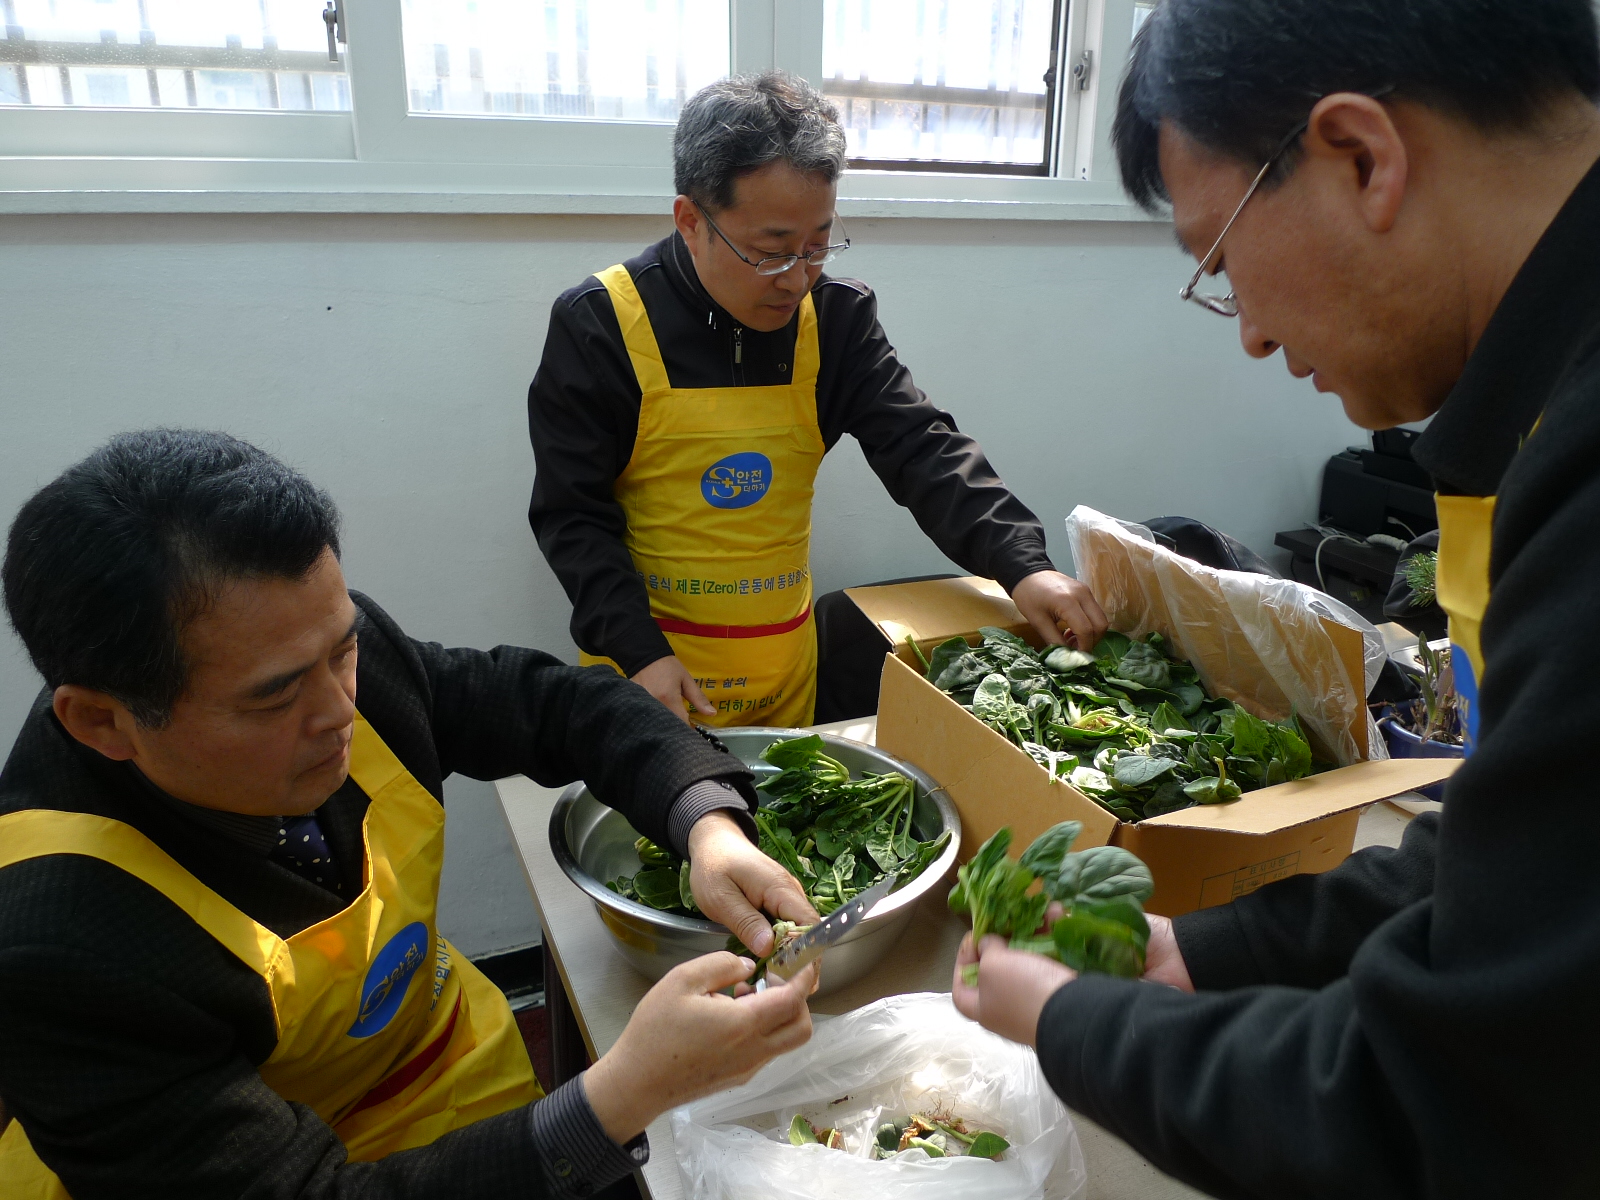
[
  {"x": 1228, "y": 306},
  {"x": 777, "y": 264}
]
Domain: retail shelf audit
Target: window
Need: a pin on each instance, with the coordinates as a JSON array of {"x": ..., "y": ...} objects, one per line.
[
  {"x": 957, "y": 84},
  {"x": 628, "y": 60},
  {"x": 1003, "y": 107},
  {"x": 171, "y": 54}
]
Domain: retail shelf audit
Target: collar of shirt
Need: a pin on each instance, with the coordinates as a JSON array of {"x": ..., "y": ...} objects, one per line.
[
  {"x": 259, "y": 835},
  {"x": 1550, "y": 312}
]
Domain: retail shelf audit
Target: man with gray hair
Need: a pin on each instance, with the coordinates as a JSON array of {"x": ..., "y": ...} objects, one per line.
[{"x": 686, "y": 398}]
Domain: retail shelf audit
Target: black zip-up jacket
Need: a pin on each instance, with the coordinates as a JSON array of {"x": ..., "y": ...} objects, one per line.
[
  {"x": 130, "y": 1038},
  {"x": 1420, "y": 1022},
  {"x": 583, "y": 416}
]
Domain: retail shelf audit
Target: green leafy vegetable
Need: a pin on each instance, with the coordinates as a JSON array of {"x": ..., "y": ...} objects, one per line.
[
  {"x": 1129, "y": 726},
  {"x": 1101, "y": 890},
  {"x": 801, "y": 1132},
  {"x": 988, "y": 1145},
  {"x": 838, "y": 836}
]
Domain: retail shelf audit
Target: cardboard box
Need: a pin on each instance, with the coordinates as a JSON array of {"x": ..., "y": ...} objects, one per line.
[{"x": 1200, "y": 856}]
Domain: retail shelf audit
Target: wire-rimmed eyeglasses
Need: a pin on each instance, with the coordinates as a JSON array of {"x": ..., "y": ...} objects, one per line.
[
  {"x": 777, "y": 264},
  {"x": 1228, "y": 306}
]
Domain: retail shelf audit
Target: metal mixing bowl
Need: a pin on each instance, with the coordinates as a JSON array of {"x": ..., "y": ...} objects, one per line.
[{"x": 594, "y": 843}]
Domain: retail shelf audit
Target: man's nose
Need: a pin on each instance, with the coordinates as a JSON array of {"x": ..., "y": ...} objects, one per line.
[{"x": 1256, "y": 344}]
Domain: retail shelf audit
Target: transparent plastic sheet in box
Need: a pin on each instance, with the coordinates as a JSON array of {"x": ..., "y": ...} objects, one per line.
[
  {"x": 1255, "y": 639},
  {"x": 898, "y": 1056}
]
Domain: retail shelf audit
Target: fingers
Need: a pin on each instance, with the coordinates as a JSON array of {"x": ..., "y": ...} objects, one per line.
[
  {"x": 787, "y": 900},
  {"x": 749, "y": 926},
  {"x": 696, "y": 698},
  {"x": 709, "y": 972},
  {"x": 776, "y": 1007}
]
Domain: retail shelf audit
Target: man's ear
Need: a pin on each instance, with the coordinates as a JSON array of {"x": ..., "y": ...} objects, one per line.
[
  {"x": 99, "y": 721},
  {"x": 1357, "y": 132},
  {"x": 686, "y": 216}
]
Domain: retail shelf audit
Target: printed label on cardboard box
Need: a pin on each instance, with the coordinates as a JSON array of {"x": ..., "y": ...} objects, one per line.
[{"x": 1220, "y": 889}]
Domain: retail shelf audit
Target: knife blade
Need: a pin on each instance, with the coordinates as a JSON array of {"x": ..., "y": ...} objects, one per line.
[{"x": 793, "y": 956}]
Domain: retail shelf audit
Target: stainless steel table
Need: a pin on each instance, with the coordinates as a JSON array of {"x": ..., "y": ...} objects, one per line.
[{"x": 592, "y": 981}]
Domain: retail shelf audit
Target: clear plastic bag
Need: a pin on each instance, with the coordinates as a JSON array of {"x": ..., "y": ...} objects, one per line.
[
  {"x": 1262, "y": 642},
  {"x": 898, "y": 1056}
]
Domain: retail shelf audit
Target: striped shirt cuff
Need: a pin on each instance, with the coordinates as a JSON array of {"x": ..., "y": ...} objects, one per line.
[
  {"x": 577, "y": 1157},
  {"x": 695, "y": 801}
]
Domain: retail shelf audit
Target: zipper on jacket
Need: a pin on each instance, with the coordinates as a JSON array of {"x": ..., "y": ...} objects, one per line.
[{"x": 738, "y": 355}]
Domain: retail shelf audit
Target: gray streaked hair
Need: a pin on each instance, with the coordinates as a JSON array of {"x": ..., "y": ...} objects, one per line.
[{"x": 740, "y": 124}]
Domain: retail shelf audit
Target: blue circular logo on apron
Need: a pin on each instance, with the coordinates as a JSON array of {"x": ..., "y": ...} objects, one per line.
[
  {"x": 737, "y": 481},
  {"x": 388, "y": 978}
]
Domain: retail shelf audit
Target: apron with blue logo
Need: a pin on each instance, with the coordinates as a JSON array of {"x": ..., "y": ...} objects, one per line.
[
  {"x": 383, "y": 1029},
  {"x": 718, "y": 501},
  {"x": 1466, "y": 530}
]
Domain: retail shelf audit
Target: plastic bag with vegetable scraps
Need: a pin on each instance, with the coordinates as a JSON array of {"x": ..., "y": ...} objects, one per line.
[
  {"x": 1271, "y": 645},
  {"x": 898, "y": 1057}
]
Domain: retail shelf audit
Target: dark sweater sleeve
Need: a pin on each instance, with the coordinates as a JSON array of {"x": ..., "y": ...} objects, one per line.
[
  {"x": 583, "y": 417},
  {"x": 928, "y": 465},
  {"x": 512, "y": 711},
  {"x": 1304, "y": 931},
  {"x": 1454, "y": 1058}
]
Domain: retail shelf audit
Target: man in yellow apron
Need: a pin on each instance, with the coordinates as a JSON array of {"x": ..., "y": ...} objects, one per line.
[
  {"x": 220, "y": 966},
  {"x": 685, "y": 401},
  {"x": 1406, "y": 200}
]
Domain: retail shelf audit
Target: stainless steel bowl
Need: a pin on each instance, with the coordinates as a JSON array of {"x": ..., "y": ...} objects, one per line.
[{"x": 594, "y": 843}]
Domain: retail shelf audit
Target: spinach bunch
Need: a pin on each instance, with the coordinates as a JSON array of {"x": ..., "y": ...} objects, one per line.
[
  {"x": 1129, "y": 726},
  {"x": 838, "y": 836},
  {"x": 1101, "y": 890}
]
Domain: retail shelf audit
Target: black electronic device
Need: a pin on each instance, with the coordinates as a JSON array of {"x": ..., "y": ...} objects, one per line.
[{"x": 1369, "y": 491}]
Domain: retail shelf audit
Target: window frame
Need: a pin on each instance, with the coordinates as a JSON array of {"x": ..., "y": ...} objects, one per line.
[
  {"x": 1045, "y": 167},
  {"x": 381, "y": 157}
]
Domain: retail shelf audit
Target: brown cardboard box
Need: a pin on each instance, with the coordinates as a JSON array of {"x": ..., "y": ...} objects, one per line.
[{"x": 1200, "y": 856}]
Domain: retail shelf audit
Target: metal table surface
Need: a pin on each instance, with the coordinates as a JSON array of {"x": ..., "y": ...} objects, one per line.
[{"x": 601, "y": 989}]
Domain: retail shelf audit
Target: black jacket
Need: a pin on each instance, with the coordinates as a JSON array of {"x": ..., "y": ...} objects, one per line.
[
  {"x": 130, "y": 1039},
  {"x": 1420, "y": 1021},
  {"x": 583, "y": 415}
]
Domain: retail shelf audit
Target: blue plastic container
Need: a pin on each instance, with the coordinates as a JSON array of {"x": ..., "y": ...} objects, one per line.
[{"x": 1405, "y": 744}]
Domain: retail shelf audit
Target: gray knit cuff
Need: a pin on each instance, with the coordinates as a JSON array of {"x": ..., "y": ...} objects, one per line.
[
  {"x": 698, "y": 799},
  {"x": 577, "y": 1157}
]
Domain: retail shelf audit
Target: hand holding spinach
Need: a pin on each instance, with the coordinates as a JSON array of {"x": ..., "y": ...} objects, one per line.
[{"x": 1101, "y": 890}]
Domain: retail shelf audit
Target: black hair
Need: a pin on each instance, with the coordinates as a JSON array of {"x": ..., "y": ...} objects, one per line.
[
  {"x": 1237, "y": 76},
  {"x": 106, "y": 565},
  {"x": 740, "y": 124}
]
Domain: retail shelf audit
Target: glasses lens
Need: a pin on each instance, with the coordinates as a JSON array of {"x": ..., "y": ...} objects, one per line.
[
  {"x": 776, "y": 266},
  {"x": 826, "y": 255}
]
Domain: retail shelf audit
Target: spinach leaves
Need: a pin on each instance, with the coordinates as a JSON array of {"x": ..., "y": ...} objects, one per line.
[
  {"x": 838, "y": 836},
  {"x": 1101, "y": 890},
  {"x": 1129, "y": 726}
]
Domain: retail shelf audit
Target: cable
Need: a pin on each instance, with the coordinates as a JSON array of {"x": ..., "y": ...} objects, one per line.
[
  {"x": 1403, "y": 525},
  {"x": 1329, "y": 535}
]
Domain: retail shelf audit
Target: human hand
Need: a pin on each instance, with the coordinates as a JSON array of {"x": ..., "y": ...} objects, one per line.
[
  {"x": 1050, "y": 600},
  {"x": 1012, "y": 987},
  {"x": 734, "y": 883},
  {"x": 1163, "y": 961},
  {"x": 687, "y": 1039},
  {"x": 669, "y": 681}
]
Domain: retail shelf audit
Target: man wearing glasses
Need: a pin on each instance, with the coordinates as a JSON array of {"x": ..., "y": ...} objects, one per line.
[
  {"x": 1405, "y": 198},
  {"x": 686, "y": 398}
]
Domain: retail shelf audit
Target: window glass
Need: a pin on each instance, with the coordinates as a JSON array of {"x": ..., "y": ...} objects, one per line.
[
  {"x": 955, "y": 81},
  {"x": 633, "y": 60},
  {"x": 218, "y": 54}
]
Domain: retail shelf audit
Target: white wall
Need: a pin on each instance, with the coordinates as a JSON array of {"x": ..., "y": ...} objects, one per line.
[{"x": 389, "y": 358}]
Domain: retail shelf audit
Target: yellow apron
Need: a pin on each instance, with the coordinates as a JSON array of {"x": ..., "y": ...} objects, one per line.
[
  {"x": 383, "y": 1030},
  {"x": 1466, "y": 529},
  {"x": 718, "y": 500}
]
